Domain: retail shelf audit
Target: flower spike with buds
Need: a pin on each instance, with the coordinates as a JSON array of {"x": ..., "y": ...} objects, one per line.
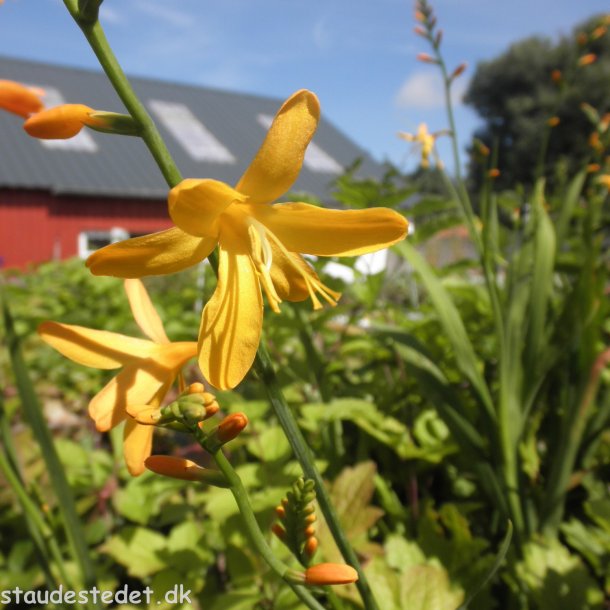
[{"x": 297, "y": 516}]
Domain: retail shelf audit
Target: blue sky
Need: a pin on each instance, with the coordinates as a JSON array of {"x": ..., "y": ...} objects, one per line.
[{"x": 357, "y": 55}]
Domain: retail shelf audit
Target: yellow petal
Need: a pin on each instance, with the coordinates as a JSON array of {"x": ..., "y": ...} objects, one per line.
[
  {"x": 155, "y": 254},
  {"x": 100, "y": 349},
  {"x": 278, "y": 161},
  {"x": 19, "y": 99},
  {"x": 137, "y": 446},
  {"x": 195, "y": 205},
  {"x": 58, "y": 123},
  {"x": 231, "y": 322},
  {"x": 312, "y": 230},
  {"x": 136, "y": 384},
  {"x": 144, "y": 311}
]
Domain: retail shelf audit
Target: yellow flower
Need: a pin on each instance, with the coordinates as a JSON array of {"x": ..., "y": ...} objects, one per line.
[
  {"x": 19, "y": 99},
  {"x": 425, "y": 140},
  {"x": 149, "y": 368},
  {"x": 259, "y": 243},
  {"x": 60, "y": 122},
  {"x": 604, "y": 180}
]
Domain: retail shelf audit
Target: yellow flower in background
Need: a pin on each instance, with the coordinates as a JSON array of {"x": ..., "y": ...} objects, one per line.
[
  {"x": 19, "y": 99},
  {"x": 149, "y": 368},
  {"x": 60, "y": 122},
  {"x": 425, "y": 140},
  {"x": 259, "y": 244},
  {"x": 604, "y": 180}
]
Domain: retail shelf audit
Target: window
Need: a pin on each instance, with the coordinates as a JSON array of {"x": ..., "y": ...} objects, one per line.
[
  {"x": 316, "y": 159},
  {"x": 82, "y": 142},
  {"x": 191, "y": 133},
  {"x": 90, "y": 241}
]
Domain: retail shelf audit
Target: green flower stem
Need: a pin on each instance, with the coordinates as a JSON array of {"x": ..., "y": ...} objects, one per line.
[
  {"x": 256, "y": 536},
  {"x": 35, "y": 523},
  {"x": 33, "y": 413},
  {"x": 97, "y": 40},
  {"x": 264, "y": 367}
]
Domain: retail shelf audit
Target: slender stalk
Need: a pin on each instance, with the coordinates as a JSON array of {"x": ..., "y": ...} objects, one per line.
[
  {"x": 264, "y": 367},
  {"x": 96, "y": 38},
  {"x": 256, "y": 536},
  {"x": 36, "y": 420}
]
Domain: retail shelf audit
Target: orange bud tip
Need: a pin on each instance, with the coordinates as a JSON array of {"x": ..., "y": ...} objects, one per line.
[
  {"x": 593, "y": 167},
  {"x": 59, "y": 123},
  {"x": 310, "y": 530},
  {"x": 19, "y": 99},
  {"x": 493, "y": 173},
  {"x": 419, "y": 16},
  {"x": 553, "y": 121},
  {"x": 311, "y": 546},
  {"x": 231, "y": 426},
  {"x": 556, "y": 76},
  {"x": 279, "y": 531},
  {"x": 459, "y": 70},
  {"x": 330, "y": 574},
  {"x": 280, "y": 511},
  {"x": 175, "y": 467},
  {"x": 587, "y": 59},
  {"x": 427, "y": 59},
  {"x": 195, "y": 388},
  {"x": 419, "y": 30}
]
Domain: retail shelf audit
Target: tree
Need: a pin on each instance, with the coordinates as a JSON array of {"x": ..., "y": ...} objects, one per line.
[{"x": 534, "y": 80}]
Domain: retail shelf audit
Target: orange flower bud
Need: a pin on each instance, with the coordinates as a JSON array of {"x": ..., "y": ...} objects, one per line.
[
  {"x": 593, "y": 167},
  {"x": 553, "y": 121},
  {"x": 427, "y": 59},
  {"x": 419, "y": 30},
  {"x": 195, "y": 388},
  {"x": 59, "y": 123},
  {"x": 231, "y": 426},
  {"x": 175, "y": 467},
  {"x": 581, "y": 39},
  {"x": 280, "y": 511},
  {"x": 19, "y": 99},
  {"x": 556, "y": 76},
  {"x": 598, "y": 32},
  {"x": 330, "y": 574},
  {"x": 310, "y": 518},
  {"x": 279, "y": 531},
  {"x": 594, "y": 141},
  {"x": 459, "y": 70},
  {"x": 419, "y": 16},
  {"x": 311, "y": 546},
  {"x": 587, "y": 59},
  {"x": 493, "y": 173},
  {"x": 310, "y": 530}
]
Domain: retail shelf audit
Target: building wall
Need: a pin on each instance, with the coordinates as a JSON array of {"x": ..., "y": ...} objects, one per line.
[{"x": 36, "y": 226}]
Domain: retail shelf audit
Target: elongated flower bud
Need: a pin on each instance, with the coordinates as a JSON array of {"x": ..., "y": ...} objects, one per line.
[
  {"x": 330, "y": 574},
  {"x": 186, "y": 470},
  {"x": 19, "y": 99}
]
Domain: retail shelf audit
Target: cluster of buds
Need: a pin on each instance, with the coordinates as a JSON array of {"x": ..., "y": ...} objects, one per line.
[
  {"x": 193, "y": 406},
  {"x": 426, "y": 28},
  {"x": 296, "y": 525}
]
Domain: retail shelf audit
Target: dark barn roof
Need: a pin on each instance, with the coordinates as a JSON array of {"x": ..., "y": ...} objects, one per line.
[{"x": 223, "y": 131}]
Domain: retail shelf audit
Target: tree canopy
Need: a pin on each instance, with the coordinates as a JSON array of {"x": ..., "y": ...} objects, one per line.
[{"x": 535, "y": 80}]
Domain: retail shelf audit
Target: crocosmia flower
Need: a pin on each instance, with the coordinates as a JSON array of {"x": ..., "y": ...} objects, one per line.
[
  {"x": 148, "y": 369},
  {"x": 260, "y": 244},
  {"x": 19, "y": 99},
  {"x": 60, "y": 122}
]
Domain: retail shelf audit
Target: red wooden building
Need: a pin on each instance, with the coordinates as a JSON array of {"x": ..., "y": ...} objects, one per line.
[{"x": 60, "y": 199}]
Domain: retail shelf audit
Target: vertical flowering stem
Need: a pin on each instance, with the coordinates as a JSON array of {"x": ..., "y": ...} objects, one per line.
[
  {"x": 264, "y": 367},
  {"x": 96, "y": 38}
]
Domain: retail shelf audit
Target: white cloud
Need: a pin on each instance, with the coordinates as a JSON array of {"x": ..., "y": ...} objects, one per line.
[
  {"x": 111, "y": 15},
  {"x": 425, "y": 90},
  {"x": 169, "y": 15}
]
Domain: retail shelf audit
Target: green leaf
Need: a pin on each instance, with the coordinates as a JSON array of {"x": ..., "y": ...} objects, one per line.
[
  {"x": 427, "y": 587},
  {"x": 138, "y": 549},
  {"x": 453, "y": 325},
  {"x": 270, "y": 446}
]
